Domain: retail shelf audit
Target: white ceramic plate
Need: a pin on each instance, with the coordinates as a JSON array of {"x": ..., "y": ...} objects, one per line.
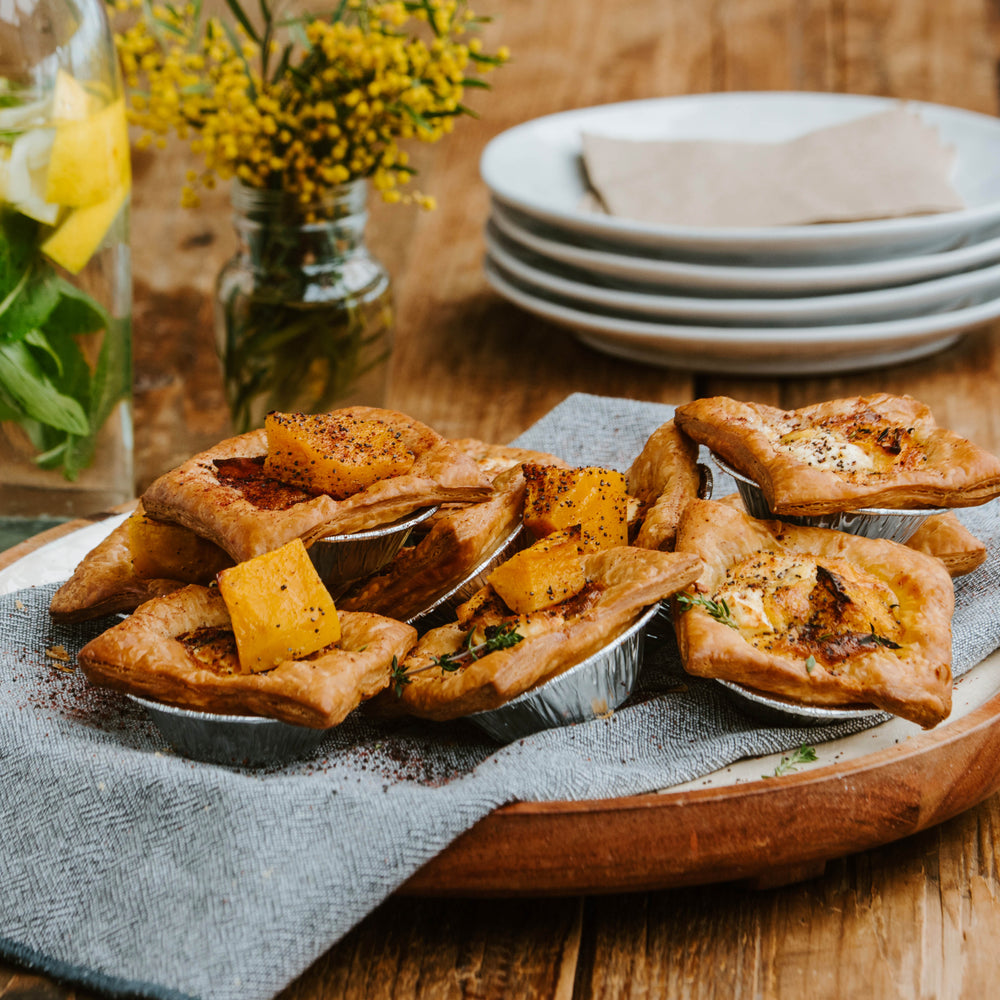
[
  {"x": 956, "y": 291},
  {"x": 787, "y": 350},
  {"x": 535, "y": 167},
  {"x": 625, "y": 269}
]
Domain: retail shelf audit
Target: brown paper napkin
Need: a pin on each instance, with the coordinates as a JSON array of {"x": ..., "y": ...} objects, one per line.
[{"x": 883, "y": 165}]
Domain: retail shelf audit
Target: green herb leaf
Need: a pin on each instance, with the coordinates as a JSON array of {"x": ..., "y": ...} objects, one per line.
[
  {"x": 27, "y": 290},
  {"x": 29, "y": 305},
  {"x": 810, "y": 664},
  {"x": 791, "y": 762},
  {"x": 33, "y": 391},
  {"x": 111, "y": 382},
  {"x": 398, "y": 677},
  {"x": 497, "y": 637},
  {"x": 881, "y": 640},
  {"x": 75, "y": 312},
  {"x": 719, "y": 610},
  {"x": 46, "y": 383}
]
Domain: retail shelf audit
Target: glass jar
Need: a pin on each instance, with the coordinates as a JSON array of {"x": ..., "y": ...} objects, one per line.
[
  {"x": 304, "y": 318},
  {"x": 65, "y": 273}
]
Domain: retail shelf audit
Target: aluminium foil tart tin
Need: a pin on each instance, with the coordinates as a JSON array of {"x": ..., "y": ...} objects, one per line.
[
  {"x": 591, "y": 689},
  {"x": 868, "y": 522},
  {"x": 339, "y": 559},
  {"x": 234, "y": 740}
]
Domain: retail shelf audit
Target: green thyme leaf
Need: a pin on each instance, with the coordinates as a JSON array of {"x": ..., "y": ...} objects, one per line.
[
  {"x": 497, "y": 637},
  {"x": 881, "y": 640},
  {"x": 719, "y": 610},
  {"x": 791, "y": 762},
  {"x": 398, "y": 677}
]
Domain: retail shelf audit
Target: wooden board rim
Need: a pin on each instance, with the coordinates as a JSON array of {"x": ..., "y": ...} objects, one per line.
[{"x": 767, "y": 832}]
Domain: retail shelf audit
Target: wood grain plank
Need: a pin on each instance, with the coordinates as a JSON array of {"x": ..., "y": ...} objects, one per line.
[
  {"x": 436, "y": 950},
  {"x": 883, "y": 933},
  {"x": 458, "y": 343},
  {"x": 17, "y": 984}
]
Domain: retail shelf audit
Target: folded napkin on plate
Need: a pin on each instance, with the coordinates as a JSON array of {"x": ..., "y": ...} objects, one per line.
[
  {"x": 129, "y": 869},
  {"x": 883, "y": 165}
]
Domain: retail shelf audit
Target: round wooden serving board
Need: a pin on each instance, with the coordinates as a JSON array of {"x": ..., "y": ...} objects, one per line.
[{"x": 887, "y": 783}]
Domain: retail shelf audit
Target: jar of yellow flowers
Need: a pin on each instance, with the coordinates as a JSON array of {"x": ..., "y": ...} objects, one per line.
[
  {"x": 303, "y": 311},
  {"x": 65, "y": 282},
  {"x": 302, "y": 115}
]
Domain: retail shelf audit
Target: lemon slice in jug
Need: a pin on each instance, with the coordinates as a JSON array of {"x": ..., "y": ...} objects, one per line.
[
  {"x": 88, "y": 171},
  {"x": 89, "y": 158},
  {"x": 81, "y": 232}
]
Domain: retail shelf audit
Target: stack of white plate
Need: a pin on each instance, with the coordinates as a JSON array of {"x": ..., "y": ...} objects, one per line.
[{"x": 763, "y": 300}]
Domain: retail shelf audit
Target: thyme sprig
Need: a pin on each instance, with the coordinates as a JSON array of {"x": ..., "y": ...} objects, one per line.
[
  {"x": 791, "y": 761},
  {"x": 880, "y": 640},
  {"x": 497, "y": 637},
  {"x": 719, "y": 610}
]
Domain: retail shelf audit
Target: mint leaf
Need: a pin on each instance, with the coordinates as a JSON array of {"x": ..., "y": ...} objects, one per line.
[
  {"x": 75, "y": 312},
  {"x": 38, "y": 340},
  {"x": 19, "y": 238},
  {"x": 30, "y": 303},
  {"x": 111, "y": 382},
  {"x": 33, "y": 391},
  {"x": 46, "y": 383}
]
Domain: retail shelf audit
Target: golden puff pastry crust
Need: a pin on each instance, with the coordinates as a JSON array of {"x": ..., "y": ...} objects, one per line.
[
  {"x": 623, "y": 581},
  {"x": 105, "y": 581},
  {"x": 222, "y": 494},
  {"x": 814, "y": 615},
  {"x": 664, "y": 477},
  {"x": 493, "y": 459},
  {"x": 179, "y": 649},
  {"x": 459, "y": 540},
  {"x": 945, "y": 537},
  {"x": 843, "y": 454}
]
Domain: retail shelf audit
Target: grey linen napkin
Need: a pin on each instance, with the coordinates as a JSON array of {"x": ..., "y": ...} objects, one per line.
[{"x": 129, "y": 869}]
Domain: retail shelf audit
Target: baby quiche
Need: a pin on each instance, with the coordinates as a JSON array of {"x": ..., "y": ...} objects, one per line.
[
  {"x": 844, "y": 454},
  {"x": 816, "y": 616}
]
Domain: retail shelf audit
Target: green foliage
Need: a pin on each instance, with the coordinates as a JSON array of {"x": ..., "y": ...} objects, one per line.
[{"x": 46, "y": 385}]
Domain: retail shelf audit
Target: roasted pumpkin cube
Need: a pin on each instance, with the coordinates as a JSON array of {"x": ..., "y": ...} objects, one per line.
[
  {"x": 163, "y": 551},
  {"x": 279, "y": 608},
  {"x": 543, "y": 574},
  {"x": 595, "y": 498},
  {"x": 333, "y": 453}
]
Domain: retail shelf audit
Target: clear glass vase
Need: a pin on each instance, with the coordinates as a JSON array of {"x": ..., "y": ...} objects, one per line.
[
  {"x": 65, "y": 274},
  {"x": 304, "y": 318}
]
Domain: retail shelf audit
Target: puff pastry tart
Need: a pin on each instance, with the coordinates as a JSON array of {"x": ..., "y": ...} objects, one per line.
[
  {"x": 493, "y": 459},
  {"x": 105, "y": 582},
  {"x": 110, "y": 578},
  {"x": 664, "y": 478},
  {"x": 945, "y": 537},
  {"x": 868, "y": 451},
  {"x": 225, "y": 495},
  {"x": 622, "y": 581},
  {"x": 459, "y": 539},
  {"x": 816, "y": 616},
  {"x": 180, "y": 649}
]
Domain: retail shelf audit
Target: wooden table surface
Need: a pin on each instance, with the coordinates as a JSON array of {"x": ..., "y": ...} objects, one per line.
[{"x": 917, "y": 918}]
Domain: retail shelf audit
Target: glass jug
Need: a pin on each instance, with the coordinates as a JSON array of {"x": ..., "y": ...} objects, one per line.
[{"x": 65, "y": 275}]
